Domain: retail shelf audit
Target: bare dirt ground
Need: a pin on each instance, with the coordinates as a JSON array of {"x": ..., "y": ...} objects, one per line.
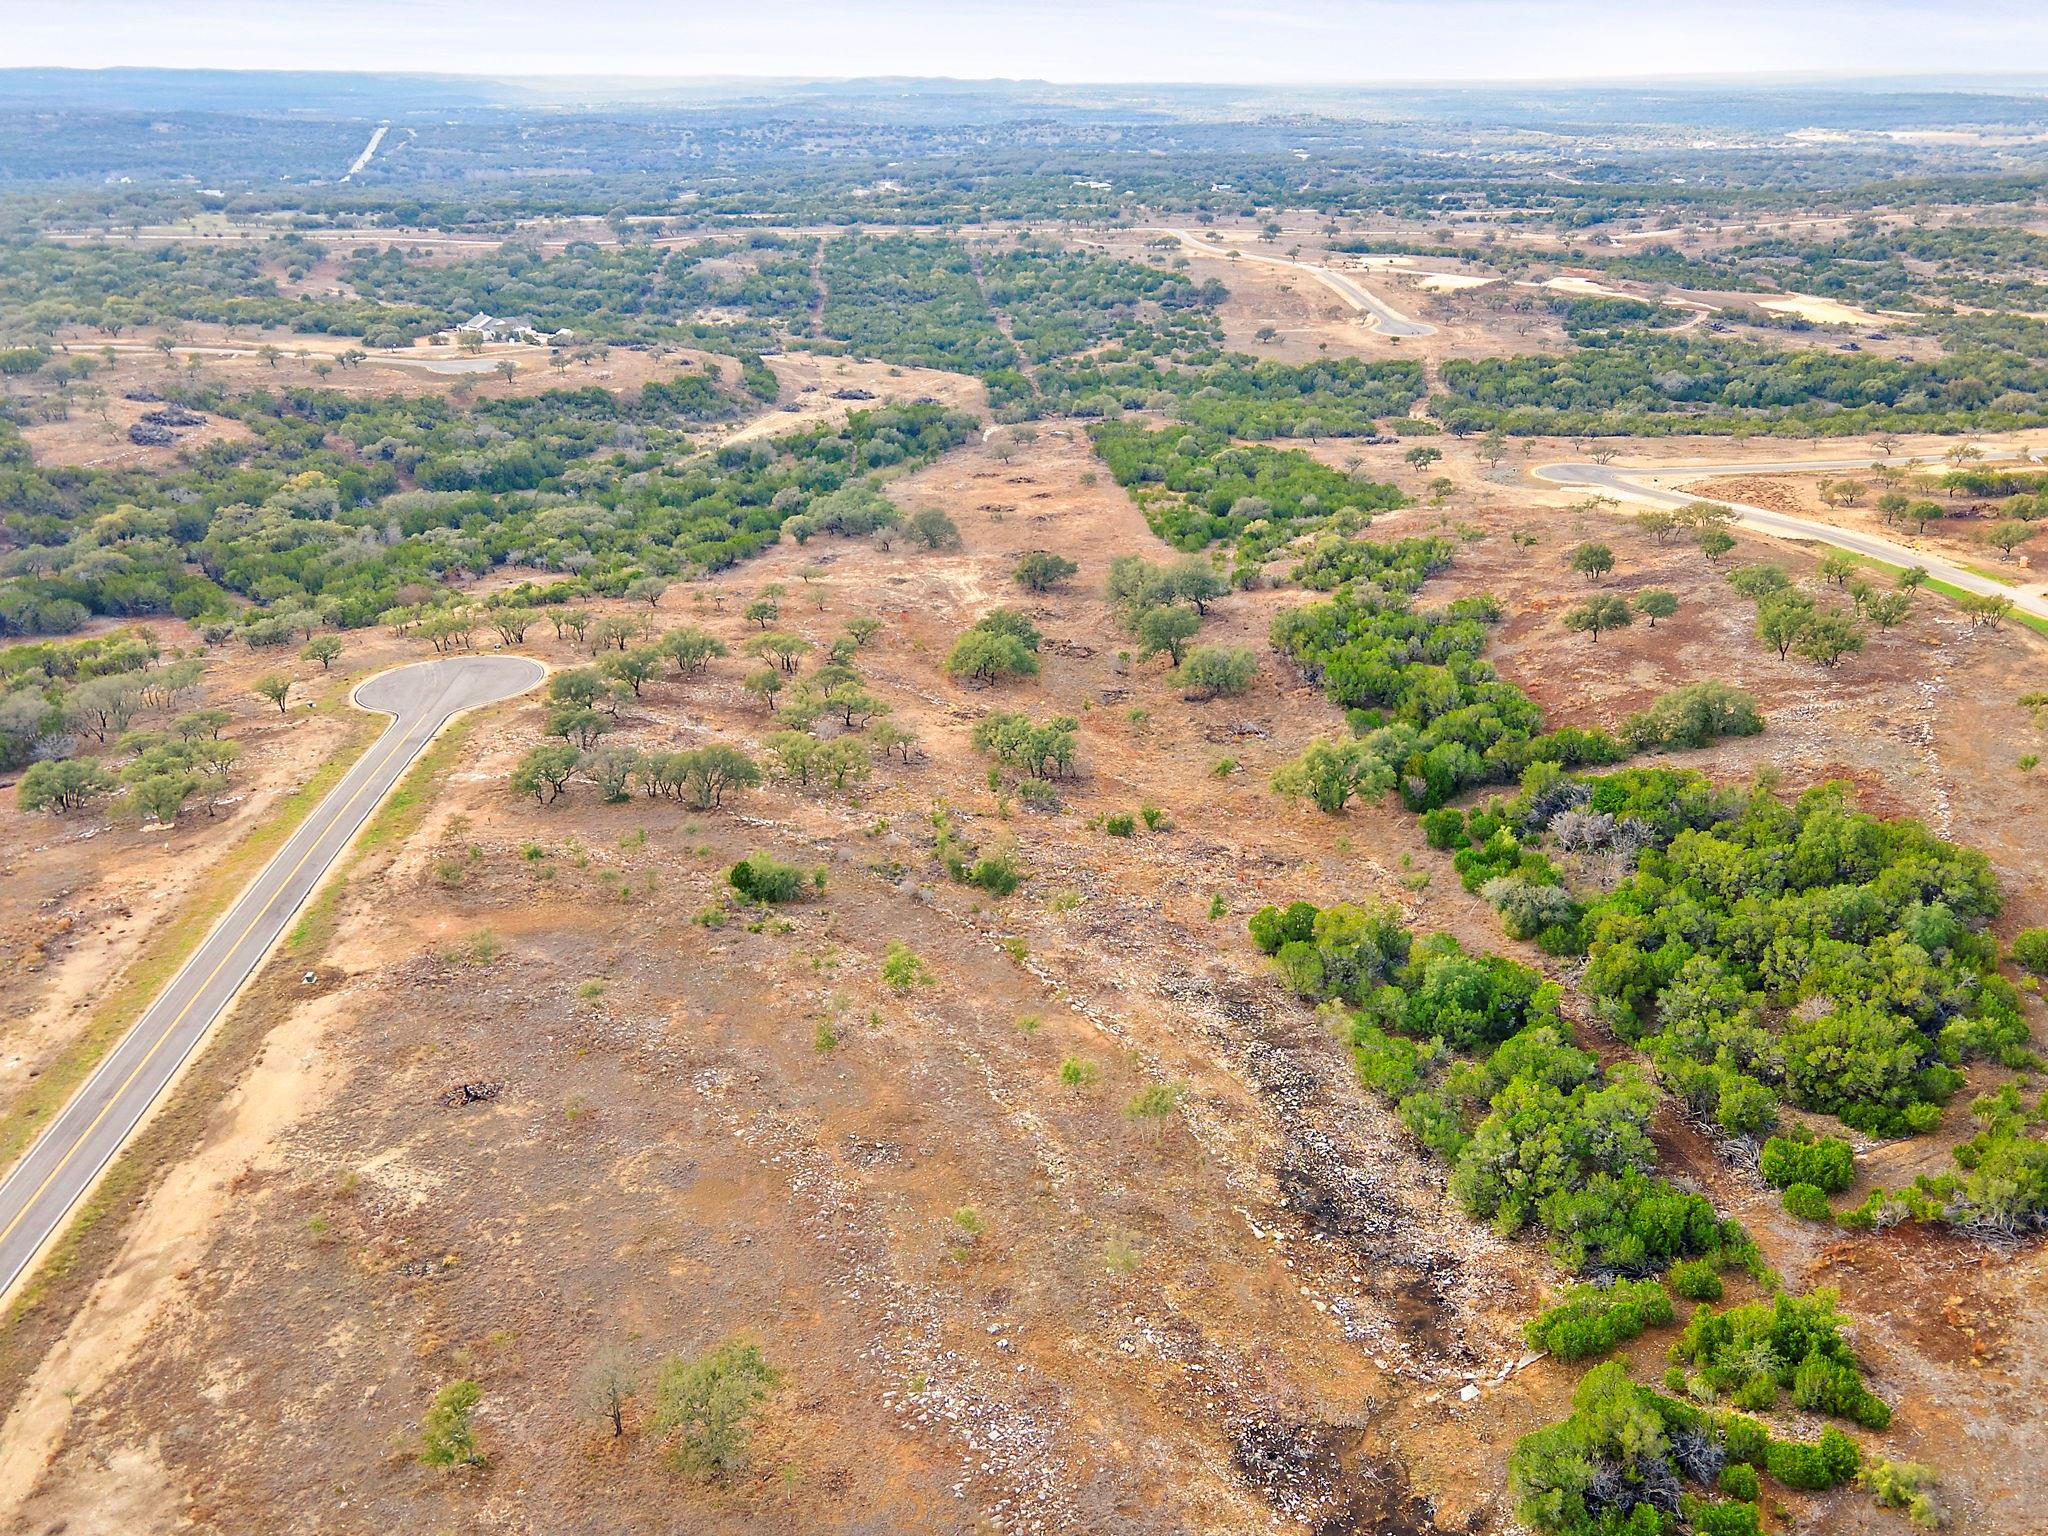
[{"x": 1260, "y": 1314}]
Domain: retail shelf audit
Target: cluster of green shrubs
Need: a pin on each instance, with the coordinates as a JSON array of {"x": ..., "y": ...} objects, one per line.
[
  {"x": 760, "y": 877},
  {"x": 1419, "y": 695},
  {"x": 1237, "y": 395},
  {"x": 999, "y": 873},
  {"x": 1802, "y": 946},
  {"x": 1644, "y": 384},
  {"x": 1625, "y": 1461},
  {"x": 2000, "y": 1183},
  {"x": 1036, "y": 752},
  {"x": 1197, "y": 487},
  {"x": 1595, "y": 1319},
  {"x": 1758, "y": 946},
  {"x": 1799, "y": 1157},
  {"x": 1537, "y": 1134},
  {"x": 1694, "y": 715},
  {"x": 1753, "y": 1352},
  {"x": 1808, "y": 1170}
]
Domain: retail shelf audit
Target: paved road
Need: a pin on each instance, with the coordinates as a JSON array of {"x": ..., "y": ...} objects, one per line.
[
  {"x": 369, "y": 153},
  {"x": 40, "y": 1191},
  {"x": 1387, "y": 320},
  {"x": 1636, "y": 483}
]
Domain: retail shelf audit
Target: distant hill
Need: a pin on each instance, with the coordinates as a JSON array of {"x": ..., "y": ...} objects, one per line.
[{"x": 260, "y": 92}]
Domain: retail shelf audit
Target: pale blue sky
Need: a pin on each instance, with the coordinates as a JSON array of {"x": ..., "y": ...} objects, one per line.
[{"x": 1351, "y": 41}]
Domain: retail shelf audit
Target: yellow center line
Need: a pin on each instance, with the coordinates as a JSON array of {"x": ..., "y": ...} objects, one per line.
[{"x": 165, "y": 1034}]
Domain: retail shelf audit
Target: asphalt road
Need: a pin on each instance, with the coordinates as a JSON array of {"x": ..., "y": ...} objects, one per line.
[
  {"x": 1387, "y": 320},
  {"x": 1633, "y": 483},
  {"x": 40, "y": 1190}
]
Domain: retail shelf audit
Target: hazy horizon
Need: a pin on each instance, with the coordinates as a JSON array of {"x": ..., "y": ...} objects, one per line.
[{"x": 1120, "y": 42}]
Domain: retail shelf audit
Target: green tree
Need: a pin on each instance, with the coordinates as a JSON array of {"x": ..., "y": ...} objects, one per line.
[
  {"x": 614, "y": 632},
  {"x": 1591, "y": 561},
  {"x": 512, "y": 621},
  {"x": 1714, "y": 542},
  {"x": 1782, "y": 619},
  {"x": 690, "y": 648},
  {"x": 795, "y": 754},
  {"x": 102, "y": 706},
  {"x": 1194, "y": 581},
  {"x": 988, "y": 657},
  {"x": 932, "y": 528},
  {"x": 1656, "y": 604},
  {"x": 1215, "y": 671},
  {"x": 782, "y": 649},
  {"x": 710, "y": 1405},
  {"x": 1167, "y": 627},
  {"x": 1828, "y": 637},
  {"x": 447, "y": 1436},
  {"x": 577, "y": 725},
  {"x": 635, "y": 668},
  {"x": 1041, "y": 571},
  {"x": 1986, "y": 608},
  {"x": 1657, "y": 523},
  {"x": 2009, "y": 535},
  {"x": 160, "y": 796},
  {"x": 610, "y": 769},
  {"x": 323, "y": 649},
  {"x": 274, "y": 688},
  {"x": 68, "y": 784},
  {"x": 1836, "y": 567},
  {"x": 1331, "y": 773},
  {"x": 545, "y": 771},
  {"x": 1607, "y": 611},
  {"x": 710, "y": 773}
]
